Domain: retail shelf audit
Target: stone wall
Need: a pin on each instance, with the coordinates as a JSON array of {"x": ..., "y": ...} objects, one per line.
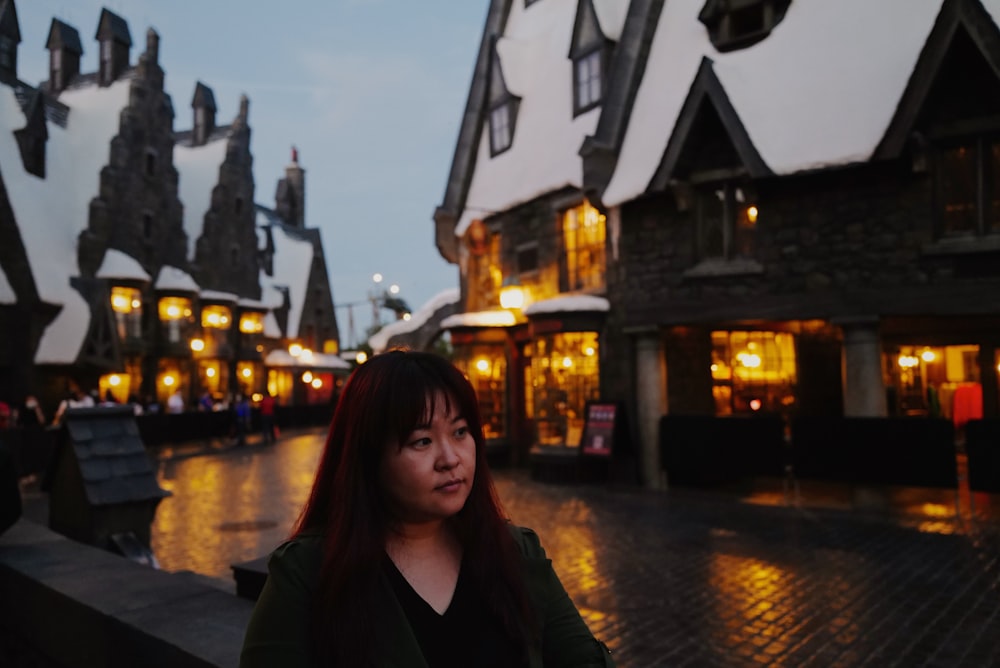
[{"x": 66, "y": 604}]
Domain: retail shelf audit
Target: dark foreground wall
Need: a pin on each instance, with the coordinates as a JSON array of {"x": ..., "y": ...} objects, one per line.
[{"x": 66, "y": 604}]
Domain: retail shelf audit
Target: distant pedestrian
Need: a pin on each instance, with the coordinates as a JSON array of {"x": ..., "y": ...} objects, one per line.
[
  {"x": 30, "y": 415},
  {"x": 242, "y": 416},
  {"x": 175, "y": 402},
  {"x": 206, "y": 403},
  {"x": 77, "y": 399},
  {"x": 267, "y": 418}
]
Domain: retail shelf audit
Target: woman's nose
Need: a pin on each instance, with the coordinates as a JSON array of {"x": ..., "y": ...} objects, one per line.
[{"x": 448, "y": 456}]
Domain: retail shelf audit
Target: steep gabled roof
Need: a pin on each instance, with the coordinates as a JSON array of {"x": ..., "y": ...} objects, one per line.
[
  {"x": 113, "y": 26},
  {"x": 818, "y": 92},
  {"x": 203, "y": 97},
  {"x": 9, "y": 25},
  {"x": 64, "y": 36},
  {"x": 463, "y": 162},
  {"x": 705, "y": 97},
  {"x": 956, "y": 15}
]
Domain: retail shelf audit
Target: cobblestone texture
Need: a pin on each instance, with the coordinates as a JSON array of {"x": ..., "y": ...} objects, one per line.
[{"x": 666, "y": 579}]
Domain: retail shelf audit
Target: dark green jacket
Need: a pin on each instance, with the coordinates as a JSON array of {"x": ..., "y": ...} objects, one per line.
[{"x": 278, "y": 634}]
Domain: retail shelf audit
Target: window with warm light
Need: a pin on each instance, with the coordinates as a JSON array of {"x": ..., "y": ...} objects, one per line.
[
  {"x": 118, "y": 385},
  {"x": 215, "y": 316},
  {"x": 175, "y": 314},
  {"x": 753, "y": 372},
  {"x": 126, "y": 303},
  {"x": 252, "y": 322},
  {"x": 486, "y": 368},
  {"x": 564, "y": 376},
  {"x": 726, "y": 222},
  {"x": 485, "y": 276},
  {"x": 967, "y": 180},
  {"x": 923, "y": 380},
  {"x": 583, "y": 241}
]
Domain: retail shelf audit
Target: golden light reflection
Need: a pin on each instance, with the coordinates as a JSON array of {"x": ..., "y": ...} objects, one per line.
[{"x": 746, "y": 589}]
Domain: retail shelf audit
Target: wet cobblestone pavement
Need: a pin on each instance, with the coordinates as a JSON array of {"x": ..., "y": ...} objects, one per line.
[{"x": 666, "y": 579}]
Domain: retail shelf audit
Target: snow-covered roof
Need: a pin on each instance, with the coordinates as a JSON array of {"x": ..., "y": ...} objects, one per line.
[
  {"x": 198, "y": 173},
  {"x": 380, "y": 339},
  {"x": 819, "y": 91},
  {"x": 172, "y": 278},
  {"x": 543, "y": 155},
  {"x": 7, "y": 295},
  {"x": 480, "y": 319},
  {"x": 118, "y": 265},
  {"x": 218, "y": 296},
  {"x": 282, "y": 358},
  {"x": 52, "y": 212},
  {"x": 292, "y": 264},
  {"x": 568, "y": 303}
]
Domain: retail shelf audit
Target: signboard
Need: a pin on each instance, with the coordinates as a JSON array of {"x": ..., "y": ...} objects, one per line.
[{"x": 600, "y": 428}]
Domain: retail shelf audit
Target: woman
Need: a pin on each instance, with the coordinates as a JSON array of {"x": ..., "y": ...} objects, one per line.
[{"x": 402, "y": 555}]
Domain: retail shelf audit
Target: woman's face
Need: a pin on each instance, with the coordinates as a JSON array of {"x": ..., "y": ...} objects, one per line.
[{"x": 429, "y": 476}]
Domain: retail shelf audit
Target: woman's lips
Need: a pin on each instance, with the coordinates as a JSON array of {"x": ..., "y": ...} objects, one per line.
[{"x": 450, "y": 486}]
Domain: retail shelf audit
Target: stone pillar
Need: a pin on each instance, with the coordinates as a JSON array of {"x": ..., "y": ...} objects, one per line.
[
  {"x": 650, "y": 399},
  {"x": 864, "y": 389}
]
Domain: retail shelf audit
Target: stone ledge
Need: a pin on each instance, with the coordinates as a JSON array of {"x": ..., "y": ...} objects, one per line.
[{"x": 78, "y": 605}]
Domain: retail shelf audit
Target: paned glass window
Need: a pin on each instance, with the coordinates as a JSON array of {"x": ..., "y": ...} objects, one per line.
[
  {"x": 127, "y": 306},
  {"x": 175, "y": 317},
  {"x": 968, "y": 176},
  {"x": 753, "y": 372},
  {"x": 928, "y": 381},
  {"x": 500, "y": 128},
  {"x": 564, "y": 377},
  {"x": 588, "y": 80},
  {"x": 486, "y": 368},
  {"x": 583, "y": 240},
  {"x": 727, "y": 223}
]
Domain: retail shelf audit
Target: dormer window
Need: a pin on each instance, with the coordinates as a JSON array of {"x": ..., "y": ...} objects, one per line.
[
  {"x": 590, "y": 52},
  {"x": 501, "y": 132},
  {"x": 503, "y": 108},
  {"x": 736, "y": 24},
  {"x": 589, "y": 70},
  {"x": 727, "y": 222}
]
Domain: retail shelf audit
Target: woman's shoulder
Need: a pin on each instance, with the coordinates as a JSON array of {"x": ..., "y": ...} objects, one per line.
[
  {"x": 301, "y": 554},
  {"x": 527, "y": 541}
]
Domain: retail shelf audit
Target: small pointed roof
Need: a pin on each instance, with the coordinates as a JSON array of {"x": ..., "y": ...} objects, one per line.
[
  {"x": 9, "y": 25},
  {"x": 113, "y": 26},
  {"x": 63, "y": 36},
  {"x": 203, "y": 97}
]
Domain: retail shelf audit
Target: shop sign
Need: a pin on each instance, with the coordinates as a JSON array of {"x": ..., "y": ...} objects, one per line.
[{"x": 601, "y": 426}]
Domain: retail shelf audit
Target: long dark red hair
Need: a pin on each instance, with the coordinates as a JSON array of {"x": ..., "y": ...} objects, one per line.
[{"x": 381, "y": 404}]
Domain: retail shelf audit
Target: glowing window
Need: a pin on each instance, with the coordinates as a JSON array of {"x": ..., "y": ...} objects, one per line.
[
  {"x": 216, "y": 317},
  {"x": 583, "y": 238},
  {"x": 564, "y": 376},
  {"x": 252, "y": 323},
  {"x": 486, "y": 368},
  {"x": 753, "y": 371}
]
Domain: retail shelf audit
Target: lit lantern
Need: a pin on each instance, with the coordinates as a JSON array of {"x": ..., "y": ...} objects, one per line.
[
  {"x": 197, "y": 345},
  {"x": 483, "y": 366},
  {"x": 317, "y": 383},
  {"x": 307, "y": 377}
]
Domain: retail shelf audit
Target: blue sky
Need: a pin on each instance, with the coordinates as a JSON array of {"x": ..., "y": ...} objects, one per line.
[{"x": 370, "y": 91}]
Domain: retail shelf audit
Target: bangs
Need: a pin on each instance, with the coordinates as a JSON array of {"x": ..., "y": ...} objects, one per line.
[{"x": 417, "y": 392}]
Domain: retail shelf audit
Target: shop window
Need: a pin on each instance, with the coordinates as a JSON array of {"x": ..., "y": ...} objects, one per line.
[
  {"x": 175, "y": 317},
  {"x": 486, "y": 368},
  {"x": 247, "y": 376},
  {"x": 968, "y": 188},
  {"x": 753, "y": 372},
  {"x": 934, "y": 381},
  {"x": 213, "y": 378},
  {"x": 127, "y": 306},
  {"x": 564, "y": 377},
  {"x": 583, "y": 240},
  {"x": 169, "y": 379},
  {"x": 727, "y": 222}
]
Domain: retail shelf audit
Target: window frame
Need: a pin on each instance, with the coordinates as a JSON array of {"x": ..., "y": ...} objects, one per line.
[
  {"x": 733, "y": 191},
  {"x": 986, "y": 184},
  {"x": 574, "y": 274},
  {"x": 598, "y": 55},
  {"x": 508, "y": 105}
]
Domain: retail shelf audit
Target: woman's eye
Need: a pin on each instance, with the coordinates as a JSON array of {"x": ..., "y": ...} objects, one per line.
[
  {"x": 420, "y": 442},
  {"x": 461, "y": 431}
]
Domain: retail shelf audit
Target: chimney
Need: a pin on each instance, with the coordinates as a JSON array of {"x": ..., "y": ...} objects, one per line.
[
  {"x": 290, "y": 199},
  {"x": 65, "y": 50},
  {"x": 115, "y": 43},
  {"x": 204, "y": 107}
]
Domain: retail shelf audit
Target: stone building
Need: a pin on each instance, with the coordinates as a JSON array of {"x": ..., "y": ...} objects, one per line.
[
  {"x": 793, "y": 210},
  {"x": 134, "y": 259}
]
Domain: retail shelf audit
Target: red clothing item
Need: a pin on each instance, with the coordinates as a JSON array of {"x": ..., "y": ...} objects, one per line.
[
  {"x": 968, "y": 404},
  {"x": 267, "y": 405}
]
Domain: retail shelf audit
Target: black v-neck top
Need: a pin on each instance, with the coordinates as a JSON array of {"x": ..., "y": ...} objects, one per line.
[{"x": 465, "y": 635}]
